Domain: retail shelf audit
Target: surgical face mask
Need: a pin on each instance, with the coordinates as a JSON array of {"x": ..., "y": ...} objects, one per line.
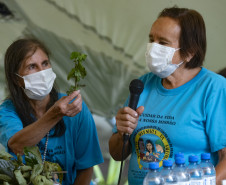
[
  {"x": 159, "y": 59},
  {"x": 38, "y": 85}
]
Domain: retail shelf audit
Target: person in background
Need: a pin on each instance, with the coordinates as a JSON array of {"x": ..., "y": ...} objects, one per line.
[
  {"x": 149, "y": 151},
  {"x": 34, "y": 113},
  {"x": 141, "y": 148},
  {"x": 182, "y": 103},
  {"x": 222, "y": 72}
]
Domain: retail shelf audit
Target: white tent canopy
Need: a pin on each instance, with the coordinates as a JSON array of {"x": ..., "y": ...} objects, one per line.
[{"x": 112, "y": 33}]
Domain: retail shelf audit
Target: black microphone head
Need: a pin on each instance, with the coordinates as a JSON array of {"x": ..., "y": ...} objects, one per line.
[{"x": 136, "y": 86}]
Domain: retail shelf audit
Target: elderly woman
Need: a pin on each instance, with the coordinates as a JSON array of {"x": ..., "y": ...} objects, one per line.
[
  {"x": 182, "y": 102},
  {"x": 36, "y": 114}
]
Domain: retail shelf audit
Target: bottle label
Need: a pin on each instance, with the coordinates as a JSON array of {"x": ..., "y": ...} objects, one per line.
[
  {"x": 197, "y": 182},
  {"x": 210, "y": 180}
]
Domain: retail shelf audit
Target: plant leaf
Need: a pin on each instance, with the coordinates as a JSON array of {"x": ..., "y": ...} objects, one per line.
[
  {"x": 21, "y": 180},
  {"x": 71, "y": 74},
  {"x": 6, "y": 183},
  {"x": 32, "y": 156},
  {"x": 4, "y": 177},
  {"x": 83, "y": 57},
  {"x": 82, "y": 70},
  {"x": 25, "y": 168},
  {"x": 19, "y": 159},
  {"x": 42, "y": 180},
  {"x": 78, "y": 71},
  {"x": 7, "y": 168},
  {"x": 37, "y": 170},
  {"x": 5, "y": 155},
  {"x": 74, "y": 55}
]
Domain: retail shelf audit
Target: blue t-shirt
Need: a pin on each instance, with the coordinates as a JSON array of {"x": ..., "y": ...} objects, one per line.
[
  {"x": 189, "y": 119},
  {"x": 77, "y": 149}
]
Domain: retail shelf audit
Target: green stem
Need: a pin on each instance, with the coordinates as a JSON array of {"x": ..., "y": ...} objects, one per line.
[{"x": 76, "y": 85}]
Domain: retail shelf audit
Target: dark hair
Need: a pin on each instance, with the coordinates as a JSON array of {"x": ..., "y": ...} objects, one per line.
[
  {"x": 140, "y": 140},
  {"x": 149, "y": 141},
  {"x": 15, "y": 55},
  {"x": 222, "y": 72},
  {"x": 193, "y": 34}
]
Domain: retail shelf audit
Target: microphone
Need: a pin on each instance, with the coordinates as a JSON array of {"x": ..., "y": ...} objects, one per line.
[{"x": 136, "y": 87}]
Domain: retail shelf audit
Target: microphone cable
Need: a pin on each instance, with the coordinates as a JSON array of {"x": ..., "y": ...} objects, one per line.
[{"x": 125, "y": 139}]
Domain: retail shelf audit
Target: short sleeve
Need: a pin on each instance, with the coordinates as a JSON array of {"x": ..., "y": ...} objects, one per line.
[
  {"x": 216, "y": 119},
  {"x": 87, "y": 147},
  {"x": 10, "y": 122}
]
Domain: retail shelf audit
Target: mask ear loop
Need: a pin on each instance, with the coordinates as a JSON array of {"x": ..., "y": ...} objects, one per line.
[
  {"x": 18, "y": 75},
  {"x": 19, "y": 84},
  {"x": 181, "y": 61}
]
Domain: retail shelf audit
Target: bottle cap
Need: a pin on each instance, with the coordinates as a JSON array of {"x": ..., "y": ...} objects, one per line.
[
  {"x": 153, "y": 165},
  {"x": 179, "y": 154},
  {"x": 193, "y": 158},
  {"x": 205, "y": 156},
  {"x": 180, "y": 160},
  {"x": 167, "y": 163}
]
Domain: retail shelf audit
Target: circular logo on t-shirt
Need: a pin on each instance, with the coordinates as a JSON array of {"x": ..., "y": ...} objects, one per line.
[{"x": 151, "y": 146}]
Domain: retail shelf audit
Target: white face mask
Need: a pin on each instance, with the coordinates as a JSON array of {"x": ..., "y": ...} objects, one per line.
[
  {"x": 159, "y": 59},
  {"x": 38, "y": 85}
]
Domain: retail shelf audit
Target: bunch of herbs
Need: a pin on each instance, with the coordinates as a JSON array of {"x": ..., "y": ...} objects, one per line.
[
  {"x": 77, "y": 72},
  {"x": 14, "y": 172}
]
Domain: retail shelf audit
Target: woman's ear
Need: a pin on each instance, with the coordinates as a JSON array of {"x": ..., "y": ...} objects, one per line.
[
  {"x": 189, "y": 57},
  {"x": 18, "y": 81}
]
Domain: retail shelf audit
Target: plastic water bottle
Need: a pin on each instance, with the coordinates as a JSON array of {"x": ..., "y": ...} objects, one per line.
[
  {"x": 179, "y": 154},
  {"x": 153, "y": 177},
  {"x": 209, "y": 173},
  {"x": 196, "y": 173},
  {"x": 167, "y": 173},
  {"x": 180, "y": 171}
]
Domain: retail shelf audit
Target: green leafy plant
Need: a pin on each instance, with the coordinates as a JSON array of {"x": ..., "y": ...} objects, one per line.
[
  {"x": 14, "y": 172},
  {"x": 78, "y": 71}
]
